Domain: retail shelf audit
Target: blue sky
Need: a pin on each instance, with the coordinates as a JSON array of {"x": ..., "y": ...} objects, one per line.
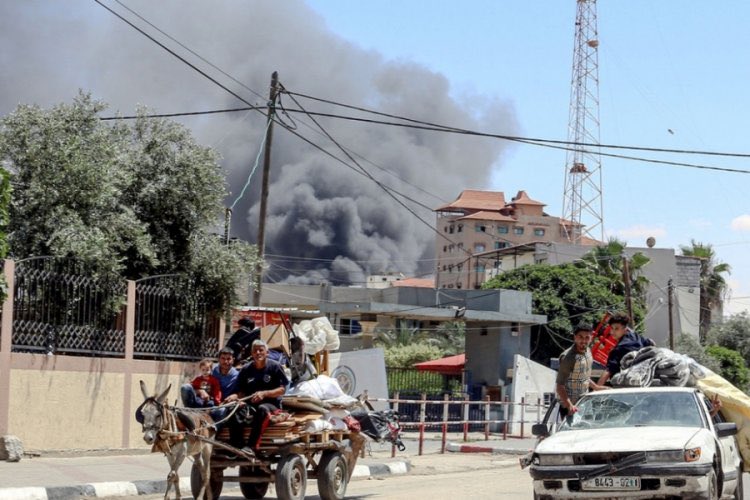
[{"x": 678, "y": 66}]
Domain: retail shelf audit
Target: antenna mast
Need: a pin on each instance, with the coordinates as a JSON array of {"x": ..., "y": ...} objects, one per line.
[{"x": 582, "y": 198}]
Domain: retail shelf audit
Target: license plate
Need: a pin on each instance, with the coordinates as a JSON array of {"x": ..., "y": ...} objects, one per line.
[{"x": 612, "y": 483}]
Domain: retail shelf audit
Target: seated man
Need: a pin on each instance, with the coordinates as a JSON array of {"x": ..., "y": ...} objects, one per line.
[
  {"x": 226, "y": 373},
  {"x": 264, "y": 382}
]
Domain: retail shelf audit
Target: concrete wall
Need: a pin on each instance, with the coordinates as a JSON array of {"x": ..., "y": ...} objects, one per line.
[
  {"x": 66, "y": 402},
  {"x": 490, "y": 351},
  {"x": 530, "y": 381}
]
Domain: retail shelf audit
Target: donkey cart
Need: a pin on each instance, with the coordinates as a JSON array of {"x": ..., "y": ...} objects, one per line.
[{"x": 286, "y": 458}]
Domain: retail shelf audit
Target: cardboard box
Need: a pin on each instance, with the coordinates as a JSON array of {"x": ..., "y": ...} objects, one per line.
[{"x": 277, "y": 337}]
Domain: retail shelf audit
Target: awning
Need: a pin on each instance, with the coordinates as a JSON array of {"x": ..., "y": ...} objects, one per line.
[{"x": 451, "y": 365}]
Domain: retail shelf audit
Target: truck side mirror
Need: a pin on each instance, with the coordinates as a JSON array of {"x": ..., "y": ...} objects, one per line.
[
  {"x": 724, "y": 429},
  {"x": 541, "y": 430}
]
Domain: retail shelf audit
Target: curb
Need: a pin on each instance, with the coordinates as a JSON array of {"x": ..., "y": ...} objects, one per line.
[
  {"x": 469, "y": 448},
  {"x": 133, "y": 488}
]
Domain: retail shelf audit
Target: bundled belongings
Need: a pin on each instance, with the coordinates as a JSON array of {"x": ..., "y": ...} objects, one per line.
[
  {"x": 380, "y": 426},
  {"x": 640, "y": 369}
]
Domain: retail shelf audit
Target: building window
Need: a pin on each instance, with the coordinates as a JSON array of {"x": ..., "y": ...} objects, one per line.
[
  {"x": 538, "y": 232},
  {"x": 479, "y": 269},
  {"x": 460, "y": 246},
  {"x": 480, "y": 228},
  {"x": 500, "y": 244},
  {"x": 459, "y": 285},
  {"x": 518, "y": 230},
  {"x": 460, "y": 228},
  {"x": 445, "y": 248},
  {"x": 459, "y": 267},
  {"x": 450, "y": 268},
  {"x": 502, "y": 229},
  {"x": 445, "y": 267},
  {"x": 478, "y": 247}
]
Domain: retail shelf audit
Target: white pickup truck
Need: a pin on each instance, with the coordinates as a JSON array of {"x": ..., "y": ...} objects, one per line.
[{"x": 651, "y": 442}]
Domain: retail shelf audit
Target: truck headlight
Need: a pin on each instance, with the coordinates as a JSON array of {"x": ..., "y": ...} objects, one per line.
[
  {"x": 692, "y": 454},
  {"x": 665, "y": 456},
  {"x": 555, "y": 459}
]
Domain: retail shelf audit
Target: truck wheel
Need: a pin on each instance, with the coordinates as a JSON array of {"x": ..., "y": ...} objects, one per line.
[
  {"x": 253, "y": 491},
  {"x": 333, "y": 476},
  {"x": 712, "y": 492},
  {"x": 215, "y": 483},
  {"x": 291, "y": 478}
]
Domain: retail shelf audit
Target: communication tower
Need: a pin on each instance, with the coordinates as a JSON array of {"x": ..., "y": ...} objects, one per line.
[{"x": 582, "y": 198}]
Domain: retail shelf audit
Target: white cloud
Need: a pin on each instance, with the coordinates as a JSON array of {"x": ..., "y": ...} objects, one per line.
[
  {"x": 741, "y": 223},
  {"x": 636, "y": 235}
]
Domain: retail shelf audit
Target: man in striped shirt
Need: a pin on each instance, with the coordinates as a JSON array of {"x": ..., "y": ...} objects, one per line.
[{"x": 574, "y": 375}]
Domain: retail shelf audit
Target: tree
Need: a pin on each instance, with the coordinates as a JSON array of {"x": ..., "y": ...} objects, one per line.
[
  {"x": 567, "y": 294},
  {"x": 733, "y": 367},
  {"x": 126, "y": 200},
  {"x": 608, "y": 261},
  {"x": 734, "y": 333},
  {"x": 713, "y": 286}
]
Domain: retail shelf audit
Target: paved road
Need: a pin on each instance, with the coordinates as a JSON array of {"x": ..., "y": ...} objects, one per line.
[{"x": 434, "y": 476}]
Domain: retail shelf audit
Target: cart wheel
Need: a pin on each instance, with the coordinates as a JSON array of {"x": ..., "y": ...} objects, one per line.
[
  {"x": 253, "y": 491},
  {"x": 291, "y": 478},
  {"x": 333, "y": 476},
  {"x": 215, "y": 482}
]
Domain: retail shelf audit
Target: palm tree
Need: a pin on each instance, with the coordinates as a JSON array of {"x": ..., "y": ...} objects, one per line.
[
  {"x": 713, "y": 284},
  {"x": 607, "y": 260}
]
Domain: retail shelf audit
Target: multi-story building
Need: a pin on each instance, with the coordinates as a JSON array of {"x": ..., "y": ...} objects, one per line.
[{"x": 481, "y": 221}]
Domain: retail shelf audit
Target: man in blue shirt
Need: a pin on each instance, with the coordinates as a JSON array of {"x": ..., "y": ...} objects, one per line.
[
  {"x": 227, "y": 374},
  {"x": 627, "y": 340}
]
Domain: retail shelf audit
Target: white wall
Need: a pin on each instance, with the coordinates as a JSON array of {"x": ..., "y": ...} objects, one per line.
[{"x": 530, "y": 381}]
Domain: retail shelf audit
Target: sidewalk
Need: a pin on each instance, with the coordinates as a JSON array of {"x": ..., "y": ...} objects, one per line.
[{"x": 99, "y": 474}]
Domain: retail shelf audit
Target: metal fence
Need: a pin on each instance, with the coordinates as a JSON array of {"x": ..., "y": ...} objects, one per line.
[
  {"x": 172, "y": 320},
  {"x": 58, "y": 308},
  {"x": 413, "y": 381}
]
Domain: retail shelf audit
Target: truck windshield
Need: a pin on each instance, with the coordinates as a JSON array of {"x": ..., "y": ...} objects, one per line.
[{"x": 635, "y": 409}]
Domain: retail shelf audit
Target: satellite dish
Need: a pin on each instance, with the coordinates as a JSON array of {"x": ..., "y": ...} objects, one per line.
[{"x": 651, "y": 241}]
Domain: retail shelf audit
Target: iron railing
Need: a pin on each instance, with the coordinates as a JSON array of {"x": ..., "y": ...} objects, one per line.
[
  {"x": 58, "y": 308},
  {"x": 173, "y": 320}
]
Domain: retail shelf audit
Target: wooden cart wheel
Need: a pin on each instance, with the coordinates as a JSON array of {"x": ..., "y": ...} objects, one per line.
[
  {"x": 215, "y": 482},
  {"x": 333, "y": 476},
  {"x": 291, "y": 478},
  {"x": 253, "y": 491}
]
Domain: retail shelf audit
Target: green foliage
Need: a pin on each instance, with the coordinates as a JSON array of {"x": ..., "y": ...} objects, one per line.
[
  {"x": 689, "y": 345},
  {"x": 404, "y": 356},
  {"x": 402, "y": 336},
  {"x": 732, "y": 365},
  {"x": 127, "y": 200},
  {"x": 734, "y": 333},
  {"x": 608, "y": 261},
  {"x": 713, "y": 284},
  {"x": 450, "y": 337},
  {"x": 567, "y": 294}
]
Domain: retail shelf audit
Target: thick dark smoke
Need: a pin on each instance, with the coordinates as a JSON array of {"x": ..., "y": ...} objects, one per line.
[{"x": 326, "y": 221}]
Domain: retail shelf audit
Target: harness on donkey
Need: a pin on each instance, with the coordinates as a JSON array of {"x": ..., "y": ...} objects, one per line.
[{"x": 177, "y": 433}]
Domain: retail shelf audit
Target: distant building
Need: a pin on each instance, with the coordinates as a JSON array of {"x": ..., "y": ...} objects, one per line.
[{"x": 482, "y": 221}]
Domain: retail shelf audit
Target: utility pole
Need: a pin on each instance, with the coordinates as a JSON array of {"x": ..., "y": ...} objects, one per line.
[
  {"x": 670, "y": 292},
  {"x": 227, "y": 219},
  {"x": 626, "y": 281},
  {"x": 258, "y": 277}
]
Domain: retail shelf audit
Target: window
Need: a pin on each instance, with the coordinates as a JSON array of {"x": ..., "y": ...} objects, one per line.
[
  {"x": 478, "y": 247},
  {"x": 518, "y": 230},
  {"x": 450, "y": 229},
  {"x": 459, "y": 285},
  {"x": 460, "y": 228},
  {"x": 450, "y": 268},
  {"x": 480, "y": 228},
  {"x": 500, "y": 244},
  {"x": 502, "y": 229},
  {"x": 459, "y": 267},
  {"x": 538, "y": 232},
  {"x": 479, "y": 269},
  {"x": 445, "y": 248}
]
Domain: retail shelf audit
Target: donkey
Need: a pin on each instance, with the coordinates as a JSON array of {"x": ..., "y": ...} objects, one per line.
[{"x": 177, "y": 434}]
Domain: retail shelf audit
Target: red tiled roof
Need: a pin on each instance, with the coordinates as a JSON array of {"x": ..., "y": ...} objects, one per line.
[
  {"x": 473, "y": 199},
  {"x": 485, "y": 215},
  {"x": 523, "y": 199}
]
